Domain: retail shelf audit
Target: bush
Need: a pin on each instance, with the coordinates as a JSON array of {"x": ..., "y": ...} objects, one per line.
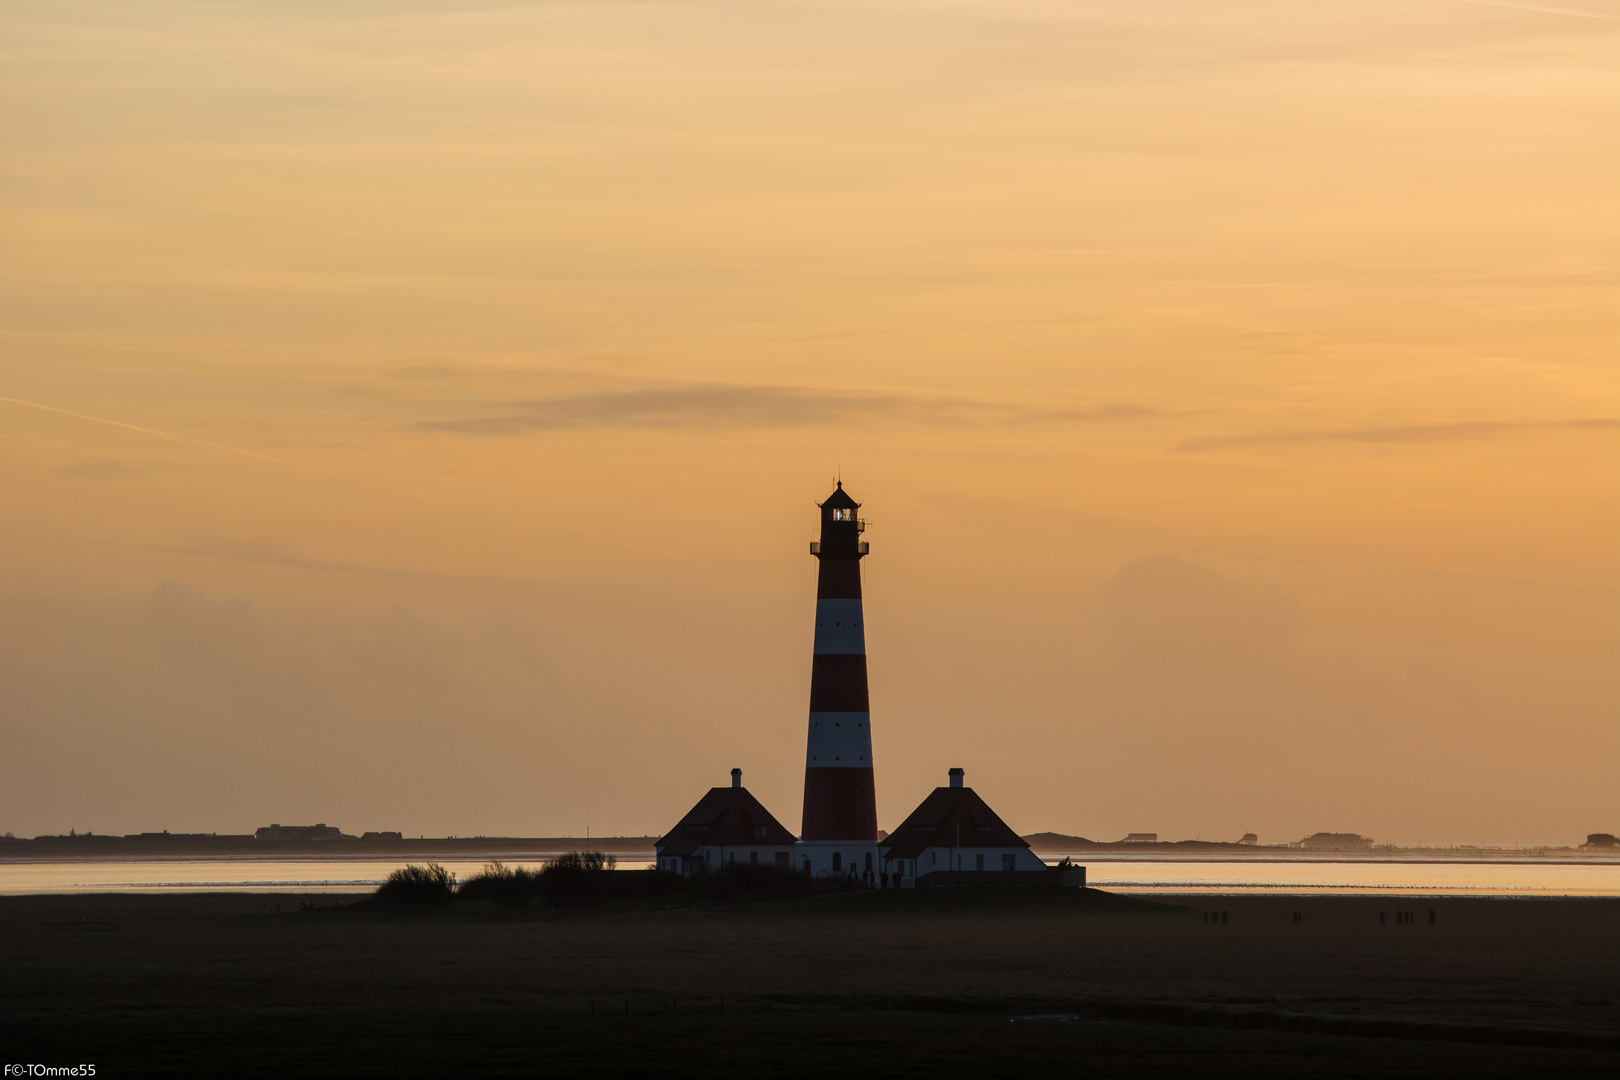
[
  {"x": 430, "y": 884},
  {"x": 748, "y": 881},
  {"x": 579, "y": 877},
  {"x": 502, "y": 884}
]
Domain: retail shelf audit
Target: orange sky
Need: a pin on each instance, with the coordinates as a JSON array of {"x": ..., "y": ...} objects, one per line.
[{"x": 413, "y": 413}]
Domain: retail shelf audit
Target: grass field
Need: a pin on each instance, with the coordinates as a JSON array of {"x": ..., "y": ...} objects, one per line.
[{"x": 940, "y": 983}]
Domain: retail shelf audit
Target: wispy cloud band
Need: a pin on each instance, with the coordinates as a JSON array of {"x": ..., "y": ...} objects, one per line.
[
  {"x": 1457, "y": 431},
  {"x": 721, "y": 406}
]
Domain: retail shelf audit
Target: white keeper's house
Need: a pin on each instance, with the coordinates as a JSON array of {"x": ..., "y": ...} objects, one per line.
[
  {"x": 954, "y": 830},
  {"x": 728, "y": 825}
]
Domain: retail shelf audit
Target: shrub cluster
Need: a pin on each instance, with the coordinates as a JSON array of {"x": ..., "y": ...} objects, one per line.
[
  {"x": 588, "y": 879},
  {"x": 747, "y": 881},
  {"x": 506, "y": 886},
  {"x": 430, "y": 884}
]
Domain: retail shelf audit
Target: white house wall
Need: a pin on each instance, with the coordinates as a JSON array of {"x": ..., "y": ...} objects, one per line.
[
  {"x": 964, "y": 859},
  {"x": 715, "y": 856},
  {"x": 816, "y": 857}
]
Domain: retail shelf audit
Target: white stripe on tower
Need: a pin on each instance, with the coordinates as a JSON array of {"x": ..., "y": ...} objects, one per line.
[
  {"x": 840, "y": 739},
  {"x": 839, "y": 627}
]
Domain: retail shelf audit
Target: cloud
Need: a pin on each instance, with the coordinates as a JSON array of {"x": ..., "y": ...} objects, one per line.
[
  {"x": 719, "y": 406},
  {"x": 1406, "y": 434}
]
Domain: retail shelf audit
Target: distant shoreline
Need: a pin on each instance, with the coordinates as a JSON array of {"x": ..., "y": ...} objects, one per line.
[
  {"x": 192, "y": 846},
  {"x": 167, "y": 847}
]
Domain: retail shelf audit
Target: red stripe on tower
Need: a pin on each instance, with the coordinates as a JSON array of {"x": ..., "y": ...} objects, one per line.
[{"x": 839, "y": 832}]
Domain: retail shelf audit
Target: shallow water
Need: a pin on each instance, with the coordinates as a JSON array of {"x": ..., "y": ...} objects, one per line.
[
  {"x": 1131, "y": 876},
  {"x": 1359, "y": 878},
  {"x": 233, "y": 875}
]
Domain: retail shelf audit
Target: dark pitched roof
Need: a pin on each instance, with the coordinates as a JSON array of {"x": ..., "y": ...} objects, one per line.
[
  {"x": 840, "y": 499},
  {"x": 935, "y": 824},
  {"x": 726, "y": 815}
]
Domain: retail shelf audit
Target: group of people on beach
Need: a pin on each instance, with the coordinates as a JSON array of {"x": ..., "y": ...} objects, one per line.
[{"x": 1406, "y": 918}]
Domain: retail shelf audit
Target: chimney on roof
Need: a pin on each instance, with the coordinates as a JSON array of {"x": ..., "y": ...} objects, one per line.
[
  {"x": 956, "y": 778},
  {"x": 736, "y": 778}
]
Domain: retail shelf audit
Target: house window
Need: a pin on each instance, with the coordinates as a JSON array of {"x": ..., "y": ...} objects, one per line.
[
  {"x": 838, "y": 861},
  {"x": 759, "y": 832},
  {"x": 753, "y": 858},
  {"x": 868, "y": 862},
  {"x": 1009, "y": 862},
  {"x": 978, "y": 861},
  {"x": 933, "y": 858},
  {"x": 782, "y": 859},
  {"x": 843, "y": 515},
  {"x": 807, "y": 866}
]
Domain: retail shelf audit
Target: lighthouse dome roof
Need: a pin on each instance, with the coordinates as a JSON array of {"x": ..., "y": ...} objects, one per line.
[{"x": 839, "y": 499}]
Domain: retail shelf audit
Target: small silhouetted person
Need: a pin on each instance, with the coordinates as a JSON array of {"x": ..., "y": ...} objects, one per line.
[
  {"x": 1380, "y": 918},
  {"x": 1223, "y": 916},
  {"x": 1431, "y": 916}
]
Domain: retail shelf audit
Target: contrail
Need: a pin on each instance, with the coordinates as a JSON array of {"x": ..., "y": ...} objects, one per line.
[
  {"x": 1548, "y": 10},
  {"x": 144, "y": 430}
]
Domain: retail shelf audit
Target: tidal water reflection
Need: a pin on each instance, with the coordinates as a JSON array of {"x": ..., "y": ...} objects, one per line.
[{"x": 1515, "y": 878}]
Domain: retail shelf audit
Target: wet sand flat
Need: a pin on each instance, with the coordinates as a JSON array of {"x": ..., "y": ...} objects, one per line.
[{"x": 963, "y": 982}]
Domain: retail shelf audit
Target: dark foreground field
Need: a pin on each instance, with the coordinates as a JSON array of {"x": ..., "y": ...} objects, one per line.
[{"x": 962, "y": 983}]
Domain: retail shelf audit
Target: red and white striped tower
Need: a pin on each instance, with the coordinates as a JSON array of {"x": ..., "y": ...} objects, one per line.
[{"x": 839, "y": 834}]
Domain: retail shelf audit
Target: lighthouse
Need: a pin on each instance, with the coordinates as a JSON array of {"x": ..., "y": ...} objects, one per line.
[{"x": 839, "y": 833}]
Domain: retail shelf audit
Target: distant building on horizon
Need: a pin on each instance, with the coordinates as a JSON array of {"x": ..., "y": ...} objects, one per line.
[
  {"x": 1335, "y": 841},
  {"x": 382, "y": 836},
  {"x": 1141, "y": 838},
  {"x": 1600, "y": 841},
  {"x": 299, "y": 832},
  {"x": 727, "y": 826},
  {"x": 1250, "y": 840}
]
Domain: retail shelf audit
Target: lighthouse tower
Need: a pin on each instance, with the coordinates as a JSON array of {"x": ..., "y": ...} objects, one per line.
[{"x": 839, "y": 834}]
